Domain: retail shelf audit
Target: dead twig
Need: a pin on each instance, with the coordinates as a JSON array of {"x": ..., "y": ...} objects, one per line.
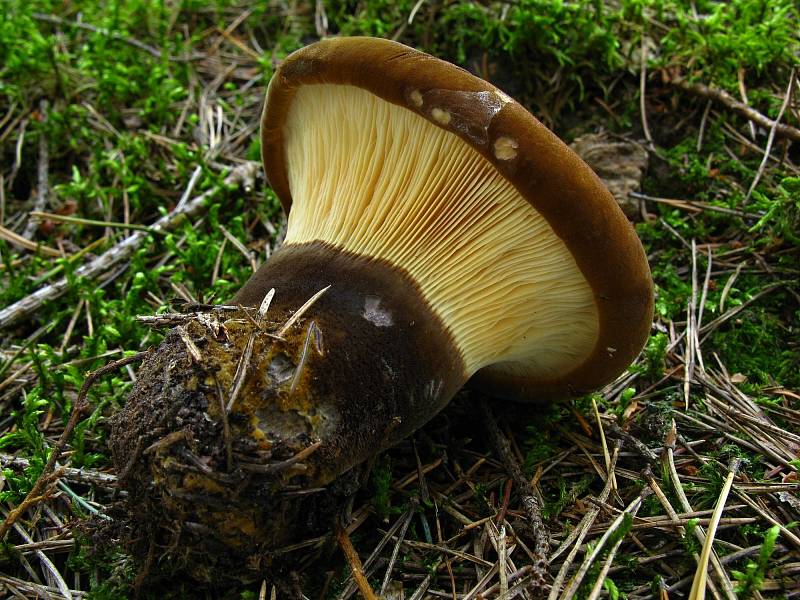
[
  {"x": 241, "y": 175},
  {"x": 355, "y": 563},
  {"x": 528, "y": 497},
  {"x": 80, "y": 476},
  {"x": 771, "y": 139},
  {"x": 740, "y": 108}
]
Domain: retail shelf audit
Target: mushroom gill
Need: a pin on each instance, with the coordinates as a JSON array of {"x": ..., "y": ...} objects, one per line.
[{"x": 379, "y": 181}]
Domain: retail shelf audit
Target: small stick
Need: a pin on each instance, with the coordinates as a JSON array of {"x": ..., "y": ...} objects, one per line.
[
  {"x": 528, "y": 497},
  {"x": 122, "y": 251},
  {"x": 771, "y": 139},
  {"x": 355, "y": 563},
  {"x": 80, "y": 476},
  {"x": 723, "y": 97},
  {"x": 35, "y": 494}
]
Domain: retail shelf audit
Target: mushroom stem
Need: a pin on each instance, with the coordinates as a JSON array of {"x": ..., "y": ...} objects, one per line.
[
  {"x": 380, "y": 365},
  {"x": 234, "y": 417}
]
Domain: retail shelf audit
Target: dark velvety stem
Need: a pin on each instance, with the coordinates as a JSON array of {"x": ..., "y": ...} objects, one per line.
[{"x": 380, "y": 363}]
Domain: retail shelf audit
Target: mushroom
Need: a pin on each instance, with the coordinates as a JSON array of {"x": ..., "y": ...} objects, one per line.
[{"x": 438, "y": 234}]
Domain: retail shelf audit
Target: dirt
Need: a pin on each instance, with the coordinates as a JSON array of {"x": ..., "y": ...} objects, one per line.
[{"x": 212, "y": 491}]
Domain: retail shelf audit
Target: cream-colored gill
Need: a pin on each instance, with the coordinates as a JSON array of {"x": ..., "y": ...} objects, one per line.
[{"x": 379, "y": 180}]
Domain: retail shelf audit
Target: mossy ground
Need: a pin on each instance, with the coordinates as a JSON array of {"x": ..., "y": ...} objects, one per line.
[{"x": 111, "y": 112}]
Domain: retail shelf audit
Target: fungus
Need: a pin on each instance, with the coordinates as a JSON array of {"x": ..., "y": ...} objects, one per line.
[{"x": 443, "y": 236}]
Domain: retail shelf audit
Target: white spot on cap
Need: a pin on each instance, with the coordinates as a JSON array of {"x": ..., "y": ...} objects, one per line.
[
  {"x": 416, "y": 98},
  {"x": 441, "y": 116},
  {"x": 505, "y": 148},
  {"x": 375, "y": 313}
]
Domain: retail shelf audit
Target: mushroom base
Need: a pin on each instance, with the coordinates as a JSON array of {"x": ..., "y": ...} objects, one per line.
[{"x": 238, "y": 425}]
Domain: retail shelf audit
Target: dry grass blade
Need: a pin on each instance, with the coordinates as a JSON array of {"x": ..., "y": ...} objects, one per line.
[
  {"x": 576, "y": 536},
  {"x": 698, "y": 531},
  {"x": 18, "y": 240},
  {"x": 698, "y": 591},
  {"x": 45, "y": 216},
  {"x": 241, "y": 370},
  {"x": 629, "y": 512},
  {"x": 691, "y": 331},
  {"x": 243, "y": 250},
  {"x": 606, "y": 455},
  {"x": 406, "y": 521},
  {"x": 300, "y": 311},
  {"x": 601, "y": 577},
  {"x": 298, "y": 372}
]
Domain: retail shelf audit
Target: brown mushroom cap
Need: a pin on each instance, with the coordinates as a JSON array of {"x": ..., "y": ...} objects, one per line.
[{"x": 385, "y": 152}]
